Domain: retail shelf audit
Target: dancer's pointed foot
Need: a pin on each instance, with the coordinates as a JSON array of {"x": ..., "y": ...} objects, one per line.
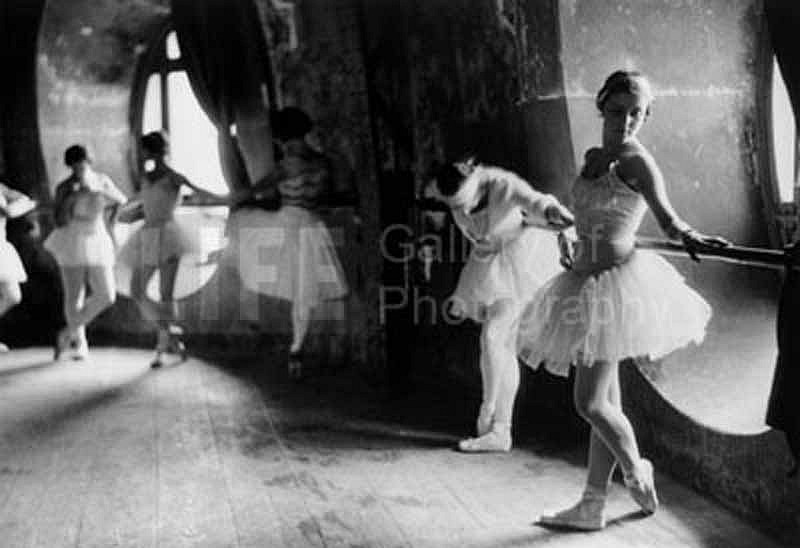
[
  {"x": 641, "y": 485},
  {"x": 497, "y": 440},
  {"x": 587, "y": 515}
]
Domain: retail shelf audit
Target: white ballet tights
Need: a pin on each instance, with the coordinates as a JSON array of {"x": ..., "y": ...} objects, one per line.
[
  {"x": 498, "y": 362},
  {"x": 301, "y": 317},
  {"x": 80, "y": 308}
]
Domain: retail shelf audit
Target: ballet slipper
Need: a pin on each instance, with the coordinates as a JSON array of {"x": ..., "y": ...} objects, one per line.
[
  {"x": 588, "y": 514},
  {"x": 497, "y": 440},
  {"x": 641, "y": 485}
]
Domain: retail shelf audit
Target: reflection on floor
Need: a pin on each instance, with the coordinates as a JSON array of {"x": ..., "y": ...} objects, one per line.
[{"x": 207, "y": 453}]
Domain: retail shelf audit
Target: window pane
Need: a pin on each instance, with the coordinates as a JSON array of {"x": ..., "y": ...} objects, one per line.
[
  {"x": 193, "y": 138},
  {"x": 783, "y": 136},
  {"x": 173, "y": 50},
  {"x": 151, "y": 117}
]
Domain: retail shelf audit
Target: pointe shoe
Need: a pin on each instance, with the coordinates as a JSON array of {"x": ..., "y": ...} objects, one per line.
[
  {"x": 495, "y": 441},
  {"x": 641, "y": 485},
  {"x": 4, "y": 348},
  {"x": 157, "y": 363},
  {"x": 587, "y": 515}
]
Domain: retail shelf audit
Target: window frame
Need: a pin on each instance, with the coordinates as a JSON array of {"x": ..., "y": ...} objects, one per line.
[{"x": 154, "y": 60}]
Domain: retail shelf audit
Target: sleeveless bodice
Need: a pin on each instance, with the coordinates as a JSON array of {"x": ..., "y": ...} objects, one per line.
[
  {"x": 160, "y": 198},
  {"x": 88, "y": 207},
  {"x": 306, "y": 175},
  {"x": 608, "y": 213}
]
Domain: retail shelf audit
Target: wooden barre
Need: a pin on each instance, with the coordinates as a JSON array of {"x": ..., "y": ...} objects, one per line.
[{"x": 749, "y": 256}]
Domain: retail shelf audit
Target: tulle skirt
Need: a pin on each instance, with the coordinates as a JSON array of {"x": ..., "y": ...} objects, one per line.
[
  {"x": 639, "y": 308},
  {"x": 153, "y": 245},
  {"x": 288, "y": 254},
  {"x": 11, "y": 269},
  {"x": 513, "y": 271},
  {"x": 81, "y": 244}
]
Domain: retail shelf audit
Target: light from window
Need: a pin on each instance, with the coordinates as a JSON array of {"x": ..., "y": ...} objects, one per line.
[
  {"x": 193, "y": 138},
  {"x": 151, "y": 118},
  {"x": 784, "y": 138},
  {"x": 173, "y": 49}
]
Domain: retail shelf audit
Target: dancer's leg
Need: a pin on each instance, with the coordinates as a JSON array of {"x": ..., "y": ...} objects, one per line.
[
  {"x": 139, "y": 279},
  {"x": 301, "y": 318},
  {"x": 589, "y": 512},
  {"x": 500, "y": 376},
  {"x": 168, "y": 273},
  {"x": 601, "y": 460},
  {"x": 10, "y": 296},
  {"x": 609, "y": 423},
  {"x": 509, "y": 368},
  {"x": 103, "y": 293}
]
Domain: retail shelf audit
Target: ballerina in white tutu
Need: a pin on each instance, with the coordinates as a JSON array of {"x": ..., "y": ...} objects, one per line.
[
  {"x": 615, "y": 302},
  {"x": 160, "y": 243},
  {"x": 510, "y": 259},
  {"x": 83, "y": 248},
  {"x": 12, "y": 273},
  {"x": 302, "y": 265}
]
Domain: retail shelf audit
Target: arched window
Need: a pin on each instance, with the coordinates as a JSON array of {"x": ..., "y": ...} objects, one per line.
[
  {"x": 784, "y": 139},
  {"x": 164, "y": 100}
]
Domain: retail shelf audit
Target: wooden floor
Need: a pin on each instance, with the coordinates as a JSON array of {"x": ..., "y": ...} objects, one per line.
[{"x": 108, "y": 453}]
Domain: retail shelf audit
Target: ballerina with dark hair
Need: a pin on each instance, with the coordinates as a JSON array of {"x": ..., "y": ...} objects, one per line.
[
  {"x": 83, "y": 248},
  {"x": 498, "y": 212},
  {"x": 303, "y": 266},
  {"x": 160, "y": 243}
]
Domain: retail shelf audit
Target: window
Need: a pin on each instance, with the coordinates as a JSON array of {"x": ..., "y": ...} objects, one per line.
[
  {"x": 784, "y": 139},
  {"x": 169, "y": 103},
  {"x": 163, "y": 99}
]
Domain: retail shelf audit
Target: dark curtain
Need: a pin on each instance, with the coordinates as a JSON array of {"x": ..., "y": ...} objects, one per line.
[
  {"x": 784, "y": 403},
  {"x": 225, "y": 53},
  {"x": 783, "y": 19}
]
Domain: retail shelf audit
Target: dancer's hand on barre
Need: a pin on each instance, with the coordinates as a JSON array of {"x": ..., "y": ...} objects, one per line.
[
  {"x": 695, "y": 243},
  {"x": 558, "y": 217}
]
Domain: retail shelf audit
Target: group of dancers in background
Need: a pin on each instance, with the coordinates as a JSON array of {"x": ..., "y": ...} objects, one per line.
[
  {"x": 87, "y": 203},
  {"x": 601, "y": 302}
]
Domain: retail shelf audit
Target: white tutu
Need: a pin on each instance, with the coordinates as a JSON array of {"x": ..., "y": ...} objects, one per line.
[
  {"x": 81, "y": 244},
  {"x": 639, "y": 308},
  {"x": 513, "y": 271},
  {"x": 155, "y": 245},
  {"x": 11, "y": 268},
  {"x": 287, "y": 254}
]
